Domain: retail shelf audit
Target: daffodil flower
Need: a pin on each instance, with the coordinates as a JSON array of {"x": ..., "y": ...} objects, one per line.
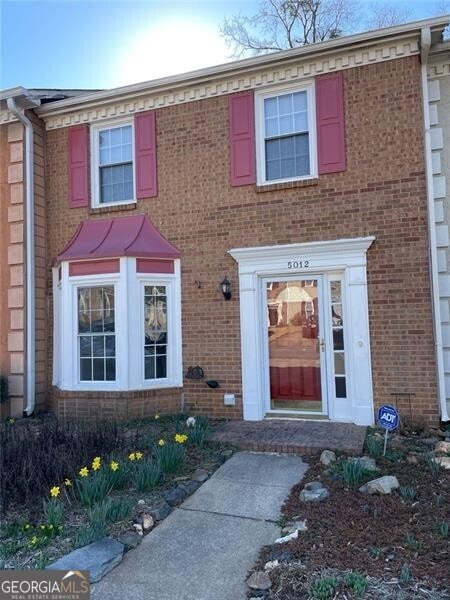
[
  {"x": 114, "y": 465},
  {"x": 67, "y": 482},
  {"x": 55, "y": 491},
  {"x": 156, "y": 417},
  {"x": 161, "y": 443},
  {"x": 132, "y": 456},
  {"x": 84, "y": 472},
  {"x": 139, "y": 455}
]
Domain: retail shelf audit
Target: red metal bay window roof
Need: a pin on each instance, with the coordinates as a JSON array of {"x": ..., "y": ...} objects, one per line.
[{"x": 122, "y": 236}]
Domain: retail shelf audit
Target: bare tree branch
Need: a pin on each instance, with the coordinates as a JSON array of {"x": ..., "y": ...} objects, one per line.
[{"x": 386, "y": 14}]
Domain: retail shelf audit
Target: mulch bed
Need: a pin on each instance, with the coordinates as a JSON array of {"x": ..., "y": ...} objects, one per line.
[{"x": 375, "y": 535}]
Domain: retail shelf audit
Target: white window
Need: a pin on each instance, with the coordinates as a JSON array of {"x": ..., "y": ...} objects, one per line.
[
  {"x": 117, "y": 332},
  {"x": 286, "y": 135},
  {"x": 113, "y": 164}
]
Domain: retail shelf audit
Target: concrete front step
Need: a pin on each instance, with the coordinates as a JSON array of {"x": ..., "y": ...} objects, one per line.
[{"x": 291, "y": 436}]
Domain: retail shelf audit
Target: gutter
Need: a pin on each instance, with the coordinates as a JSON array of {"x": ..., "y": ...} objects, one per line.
[
  {"x": 424, "y": 53},
  {"x": 29, "y": 260}
]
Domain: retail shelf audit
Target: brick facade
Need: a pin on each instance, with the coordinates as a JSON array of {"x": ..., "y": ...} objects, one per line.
[{"x": 381, "y": 193}]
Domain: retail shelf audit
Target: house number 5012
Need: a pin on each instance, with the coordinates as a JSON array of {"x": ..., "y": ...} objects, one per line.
[{"x": 298, "y": 264}]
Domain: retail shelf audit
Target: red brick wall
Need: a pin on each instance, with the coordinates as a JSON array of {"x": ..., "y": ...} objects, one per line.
[{"x": 381, "y": 193}]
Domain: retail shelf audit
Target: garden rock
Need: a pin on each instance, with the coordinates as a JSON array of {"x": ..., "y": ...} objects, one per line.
[
  {"x": 280, "y": 554},
  {"x": 175, "y": 496},
  {"x": 141, "y": 502},
  {"x": 99, "y": 558},
  {"x": 200, "y": 475},
  {"x": 327, "y": 457},
  {"x": 429, "y": 441},
  {"x": 442, "y": 447},
  {"x": 412, "y": 459},
  {"x": 138, "y": 529},
  {"x": 443, "y": 461},
  {"x": 147, "y": 521},
  {"x": 287, "y": 538},
  {"x": 190, "y": 487},
  {"x": 366, "y": 462},
  {"x": 314, "y": 491},
  {"x": 225, "y": 455},
  {"x": 130, "y": 539},
  {"x": 444, "y": 434},
  {"x": 272, "y": 564},
  {"x": 294, "y": 526},
  {"x": 259, "y": 580},
  {"x": 160, "y": 511},
  {"x": 382, "y": 485}
]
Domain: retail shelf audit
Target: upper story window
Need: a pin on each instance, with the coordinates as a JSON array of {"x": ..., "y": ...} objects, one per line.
[
  {"x": 113, "y": 164},
  {"x": 285, "y": 135}
]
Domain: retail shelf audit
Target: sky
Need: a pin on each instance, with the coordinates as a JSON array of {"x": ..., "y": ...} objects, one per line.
[{"x": 93, "y": 44}]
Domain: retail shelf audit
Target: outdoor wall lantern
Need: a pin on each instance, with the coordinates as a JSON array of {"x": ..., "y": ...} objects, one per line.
[{"x": 226, "y": 288}]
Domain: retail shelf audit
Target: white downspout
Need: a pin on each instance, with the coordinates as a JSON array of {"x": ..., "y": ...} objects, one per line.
[
  {"x": 29, "y": 261},
  {"x": 424, "y": 51}
]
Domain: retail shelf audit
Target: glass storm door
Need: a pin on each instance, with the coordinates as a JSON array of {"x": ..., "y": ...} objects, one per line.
[{"x": 295, "y": 345}]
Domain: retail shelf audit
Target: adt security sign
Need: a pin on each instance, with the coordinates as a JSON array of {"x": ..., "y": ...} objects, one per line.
[{"x": 388, "y": 418}]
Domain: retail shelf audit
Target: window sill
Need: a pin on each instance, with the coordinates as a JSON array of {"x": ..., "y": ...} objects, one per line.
[
  {"x": 287, "y": 185},
  {"x": 99, "y": 210}
]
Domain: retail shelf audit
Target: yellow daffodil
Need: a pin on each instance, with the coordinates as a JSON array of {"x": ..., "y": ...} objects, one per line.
[
  {"x": 132, "y": 456},
  {"x": 11, "y": 421},
  {"x": 156, "y": 417},
  {"x": 55, "y": 491},
  {"x": 84, "y": 472},
  {"x": 67, "y": 482},
  {"x": 27, "y": 526},
  {"x": 161, "y": 443},
  {"x": 50, "y": 526},
  {"x": 42, "y": 526},
  {"x": 34, "y": 540},
  {"x": 181, "y": 438},
  {"x": 139, "y": 455},
  {"x": 114, "y": 465},
  {"x": 96, "y": 463}
]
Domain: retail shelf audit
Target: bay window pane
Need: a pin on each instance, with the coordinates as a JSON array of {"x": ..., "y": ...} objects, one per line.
[
  {"x": 161, "y": 364},
  {"x": 110, "y": 369},
  {"x": 98, "y": 369},
  {"x": 149, "y": 367},
  {"x": 86, "y": 369},
  {"x": 155, "y": 323}
]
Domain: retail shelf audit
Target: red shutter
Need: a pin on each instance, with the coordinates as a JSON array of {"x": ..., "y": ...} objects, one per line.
[
  {"x": 330, "y": 123},
  {"x": 145, "y": 155},
  {"x": 242, "y": 138},
  {"x": 78, "y": 157}
]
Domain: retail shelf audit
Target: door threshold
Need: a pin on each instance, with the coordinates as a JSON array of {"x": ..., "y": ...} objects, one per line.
[{"x": 294, "y": 417}]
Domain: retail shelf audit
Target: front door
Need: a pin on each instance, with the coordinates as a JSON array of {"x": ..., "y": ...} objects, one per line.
[{"x": 295, "y": 345}]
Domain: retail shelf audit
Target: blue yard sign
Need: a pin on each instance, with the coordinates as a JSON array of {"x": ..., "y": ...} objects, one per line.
[{"x": 388, "y": 417}]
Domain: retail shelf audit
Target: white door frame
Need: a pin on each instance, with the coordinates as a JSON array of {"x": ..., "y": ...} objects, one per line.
[
  {"x": 347, "y": 256},
  {"x": 323, "y": 334}
]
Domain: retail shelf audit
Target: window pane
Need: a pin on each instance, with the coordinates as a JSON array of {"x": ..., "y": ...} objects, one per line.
[
  {"x": 301, "y": 121},
  {"x": 271, "y": 107},
  {"x": 116, "y": 136},
  {"x": 285, "y": 104},
  {"x": 126, "y": 134},
  {"x": 98, "y": 345},
  {"x": 286, "y": 124},
  {"x": 273, "y": 150},
  {"x": 85, "y": 345},
  {"x": 287, "y": 146},
  {"x": 302, "y": 145},
  {"x": 341, "y": 387},
  {"x": 338, "y": 339},
  {"x": 98, "y": 369},
  {"x": 110, "y": 345},
  {"x": 335, "y": 291},
  {"x": 302, "y": 166},
  {"x": 149, "y": 367},
  {"x": 104, "y": 138},
  {"x": 273, "y": 170},
  {"x": 272, "y": 127},
  {"x": 126, "y": 152},
  {"x": 116, "y": 154},
  {"x": 339, "y": 363},
  {"x": 336, "y": 314},
  {"x": 85, "y": 369},
  {"x": 300, "y": 101},
  {"x": 161, "y": 367},
  {"x": 287, "y": 167},
  {"x": 110, "y": 371}
]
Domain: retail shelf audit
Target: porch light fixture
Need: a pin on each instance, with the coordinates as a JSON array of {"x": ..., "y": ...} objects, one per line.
[{"x": 225, "y": 286}]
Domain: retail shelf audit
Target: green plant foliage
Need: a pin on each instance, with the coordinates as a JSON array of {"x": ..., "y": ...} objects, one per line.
[
  {"x": 146, "y": 475},
  {"x": 357, "y": 582},
  {"x": 87, "y": 535},
  {"x": 354, "y": 473},
  {"x": 408, "y": 493},
  {"x": 54, "y": 512},
  {"x": 324, "y": 588},
  {"x": 405, "y": 575},
  {"x": 443, "y": 528},
  {"x": 120, "y": 509},
  {"x": 432, "y": 466},
  {"x": 170, "y": 457},
  {"x": 374, "y": 447},
  {"x": 375, "y": 551},
  {"x": 94, "y": 488},
  {"x": 439, "y": 501},
  {"x": 411, "y": 542}
]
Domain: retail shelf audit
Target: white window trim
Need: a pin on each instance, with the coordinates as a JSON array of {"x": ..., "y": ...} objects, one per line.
[
  {"x": 260, "y": 128},
  {"x": 346, "y": 256},
  {"x": 95, "y": 161},
  {"x": 129, "y": 327}
]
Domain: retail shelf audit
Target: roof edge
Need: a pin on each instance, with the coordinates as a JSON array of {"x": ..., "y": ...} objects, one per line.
[{"x": 436, "y": 24}]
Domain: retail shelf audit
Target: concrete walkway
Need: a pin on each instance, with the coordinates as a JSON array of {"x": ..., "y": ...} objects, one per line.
[{"x": 204, "y": 549}]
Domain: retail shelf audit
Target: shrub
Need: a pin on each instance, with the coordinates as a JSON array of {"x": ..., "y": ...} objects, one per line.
[
  {"x": 170, "y": 457},
  {"x": 146, "y": 475},
  {"x": 324, "y": 588},
  {"x": 356, "y": 582},
  {"x": 48, "y": 451}
]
